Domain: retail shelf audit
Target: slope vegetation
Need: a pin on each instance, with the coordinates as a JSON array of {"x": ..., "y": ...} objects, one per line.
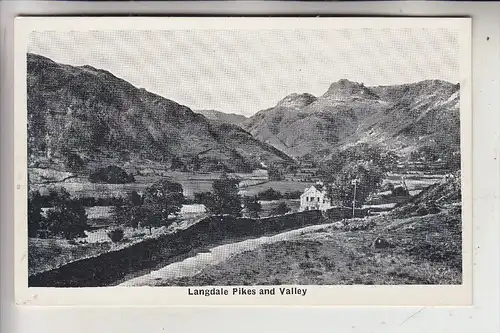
[{"x": 92, "y": 113}]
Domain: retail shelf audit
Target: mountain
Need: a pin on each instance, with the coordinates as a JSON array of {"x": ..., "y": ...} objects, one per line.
[
  {"x": 99, "y": 117},
  {"x": 401, "y": 118},
  {"x": 229, "y": 118}
]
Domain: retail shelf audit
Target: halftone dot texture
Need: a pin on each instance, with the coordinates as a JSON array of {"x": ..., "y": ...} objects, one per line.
[{"x": 244, "y": 71}]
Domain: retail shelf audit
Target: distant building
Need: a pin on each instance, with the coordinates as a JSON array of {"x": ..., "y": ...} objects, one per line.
[{"x": 315, "y": 198}]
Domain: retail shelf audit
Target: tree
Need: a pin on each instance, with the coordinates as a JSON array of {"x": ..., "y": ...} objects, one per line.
[
  {"x": 281, "y": 209},
  {"x": 176, "y": 164},
  {"x": 253, "y": 206},
  {"x": 368, "y": 175},
  {"x": 68, "y": 218},
  {"x": 132, "y": 212},
  {"x": 161, "y": 200},
  {"x": 116, "y": 235},
  {"x": 57, "y": 196},
  {"x": 135, "y": 198},
  {"x": 196, "y": 163},
  {"x": 366, "y": 163},
  {"x": 269, "y": 194},
  {"x": 35, "y": 217},
  {"x": 224, "y": 198},
  {"x": 383, "y": 159},
  {"x": 111, "y": 175}
]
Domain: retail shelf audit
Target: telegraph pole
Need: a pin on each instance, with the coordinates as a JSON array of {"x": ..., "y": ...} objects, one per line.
[{"x": 355, "y": 183}]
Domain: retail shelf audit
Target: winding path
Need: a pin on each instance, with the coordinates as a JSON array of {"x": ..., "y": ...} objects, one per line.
[{"x": 193, "y": 265}]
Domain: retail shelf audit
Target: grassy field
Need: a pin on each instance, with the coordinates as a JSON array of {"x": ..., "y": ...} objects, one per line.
[
  {"x": 415, "y": 182},
  {"x": 421, "y": 250},
  {"x": 268, "y": 206}
]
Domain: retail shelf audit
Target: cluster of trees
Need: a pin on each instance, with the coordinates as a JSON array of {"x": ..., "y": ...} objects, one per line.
[
  {"x": 272, "y": 194},
  {"x": 111, "y": 175},
  {"x": 158, "y": 206},
  {"x": 363, "y": 163},
  {"x": 224, "y": 198},
  {"x": 66, "y": 217}
]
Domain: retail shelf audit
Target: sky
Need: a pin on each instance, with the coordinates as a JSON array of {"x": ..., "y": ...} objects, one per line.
[{"x": 244, "y": 71}]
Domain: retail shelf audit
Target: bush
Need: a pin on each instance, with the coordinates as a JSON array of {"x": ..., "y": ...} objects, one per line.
[
  {"x": 399, "y": 191},
  {"x": 111, "y": 175},
  {"x": 35, "y": 218},
  {"x": 73, "y": 161},
  {"x": 281, "y": 209},
  {"x": 252, "y": 206},
  {"x": 269, "y": 194},
  {"x": 116, "y": 235},
  {"x": 68, "y": 218}
]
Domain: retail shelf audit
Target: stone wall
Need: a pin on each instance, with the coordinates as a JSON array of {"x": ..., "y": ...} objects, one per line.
[{"x": 109, "y": 268}]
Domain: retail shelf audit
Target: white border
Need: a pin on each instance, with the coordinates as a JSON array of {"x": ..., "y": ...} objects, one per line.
[
  {"x": 482, "y": 316},
  {"x": 173, "y": 296}
]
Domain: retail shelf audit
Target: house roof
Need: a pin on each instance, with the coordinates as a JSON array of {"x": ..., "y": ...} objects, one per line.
[{"x": 316, "y": 187}]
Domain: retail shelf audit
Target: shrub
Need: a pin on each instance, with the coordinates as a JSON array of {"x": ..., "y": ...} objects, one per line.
[
  {"x": 68, "y": 218},
  {"x": 269, "y": 194},
  {"x": 253, "y": 206},
  {"x": 281, "y": 209},
  {"x": 35, "y": 218},
  {"x": 399, "y": 191},
  {"x": 116, "y": 235},
  {"x": 73, "y": 161},
  {"x": 111, "y": 175}
]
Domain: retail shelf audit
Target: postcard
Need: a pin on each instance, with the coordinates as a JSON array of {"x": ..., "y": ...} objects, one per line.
[{"x": 243, "y": 161}]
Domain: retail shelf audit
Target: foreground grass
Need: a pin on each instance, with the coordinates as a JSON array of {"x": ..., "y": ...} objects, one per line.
[{"x": 423, "y": 250}]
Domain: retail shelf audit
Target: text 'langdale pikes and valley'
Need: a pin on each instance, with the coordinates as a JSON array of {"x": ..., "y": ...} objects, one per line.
[{"x": 241, "y": 291}]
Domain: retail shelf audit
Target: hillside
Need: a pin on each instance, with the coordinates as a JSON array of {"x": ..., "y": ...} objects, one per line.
[
  {"x": 402, "y": 118},
  {"x": 99, "y": 117},
  {"x": 438, "y": 197},
  {"x": 229, "y": 118}
]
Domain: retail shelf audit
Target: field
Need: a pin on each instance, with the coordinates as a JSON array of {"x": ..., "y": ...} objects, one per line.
[
  {"x": 414, "y": 182},
  {"x": 418, "y": 250},
  {"x": 50, "y": 253},
  {"x": 268, "y": 206}
]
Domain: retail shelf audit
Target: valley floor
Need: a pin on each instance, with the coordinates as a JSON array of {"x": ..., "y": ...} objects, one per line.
[{"x": 420, "y": 250}]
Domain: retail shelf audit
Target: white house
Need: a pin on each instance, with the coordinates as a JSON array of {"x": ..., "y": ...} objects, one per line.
[{"x": 315, "y": 198}]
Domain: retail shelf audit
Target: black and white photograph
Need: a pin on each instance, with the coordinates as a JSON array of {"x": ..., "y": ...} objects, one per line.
[{"x": 256, "y": 156}]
